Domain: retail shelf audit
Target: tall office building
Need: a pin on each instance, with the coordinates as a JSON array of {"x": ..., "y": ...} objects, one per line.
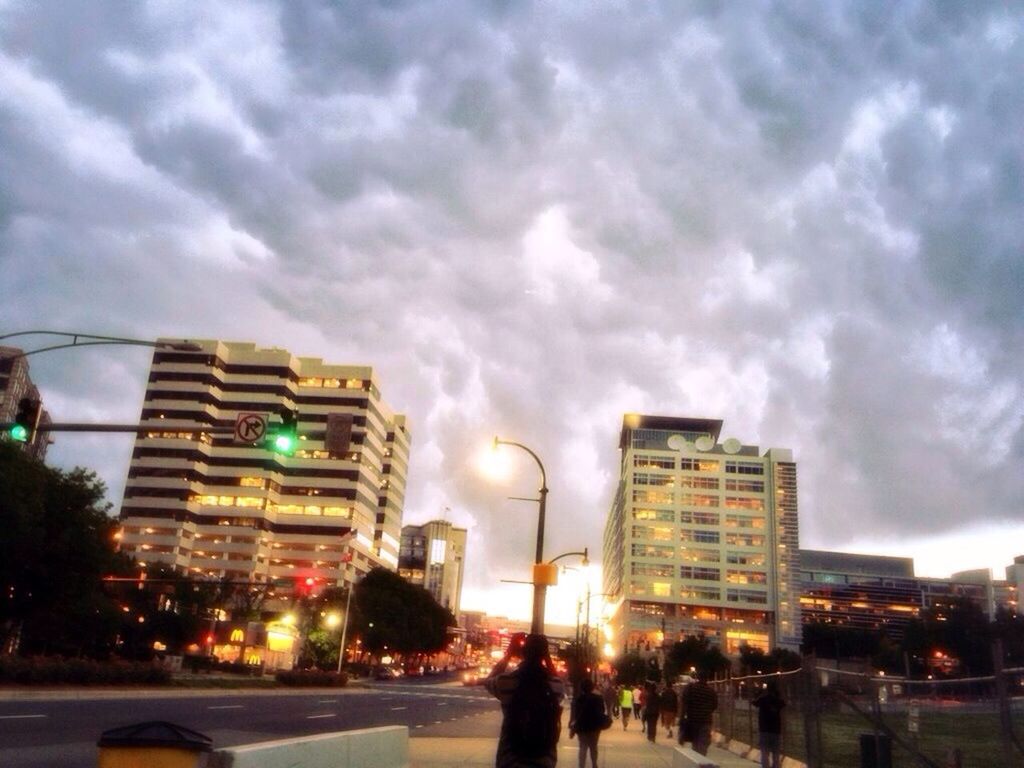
[
  {"x": 702, "y": 538},
  {"x": 433, "y": 556},
  {"x": 215, "y": 507},
  {"x": 15, "y": 385}
]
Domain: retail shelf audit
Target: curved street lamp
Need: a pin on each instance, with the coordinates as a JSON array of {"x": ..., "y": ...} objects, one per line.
[
  {"x": 539, "y": 589},
  {"x": 91, "y": 340}
]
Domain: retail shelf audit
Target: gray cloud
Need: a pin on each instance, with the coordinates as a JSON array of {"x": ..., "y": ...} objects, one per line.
[{"x": 532, "y": 218}]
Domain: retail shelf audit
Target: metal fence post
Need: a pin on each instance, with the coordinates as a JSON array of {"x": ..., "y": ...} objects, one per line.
[{"x": 811, "y": 712}]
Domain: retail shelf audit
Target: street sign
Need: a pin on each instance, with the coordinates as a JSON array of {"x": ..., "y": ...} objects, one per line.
[{"x": 250, "y": 427}]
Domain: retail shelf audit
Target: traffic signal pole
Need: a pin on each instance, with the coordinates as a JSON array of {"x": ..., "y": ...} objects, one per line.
[{"x": 133, "y": 428}]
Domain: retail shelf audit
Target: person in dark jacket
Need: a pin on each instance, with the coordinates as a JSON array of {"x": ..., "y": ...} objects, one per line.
[
  {"x": 651, "y": 710},
  {"x": 535, "y": 677},
  {"x": 587, "y": 722},
  {"x": 668, "y": 703},
  {"x": 699, "y": 701},
  {"x": 769, "y": 726}
]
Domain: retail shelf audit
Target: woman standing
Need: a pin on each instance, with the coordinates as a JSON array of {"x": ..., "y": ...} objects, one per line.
[
  {"x": 588, "y": 722},
  {"x": 626, "y": 705}
]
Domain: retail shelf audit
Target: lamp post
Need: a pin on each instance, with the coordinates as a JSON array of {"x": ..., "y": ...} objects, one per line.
[
  {"x": 539, "y": 589},
  {"x": 92, "y": 340}
]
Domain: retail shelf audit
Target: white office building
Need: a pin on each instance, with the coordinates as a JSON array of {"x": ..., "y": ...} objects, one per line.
[{"x": 702, "y": 538}]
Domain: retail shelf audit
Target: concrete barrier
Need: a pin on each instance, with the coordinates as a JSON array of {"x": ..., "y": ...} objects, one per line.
[
  {"x": 385, "y": 747},
  {"x": 684, "y": 757}
]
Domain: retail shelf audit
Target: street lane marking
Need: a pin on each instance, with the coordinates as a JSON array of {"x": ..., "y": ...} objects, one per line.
[
  {"x": 442, "y": 704},
  {"x": 227, "y": 706},
  {"x": 327, "y": 701},
  {"x": 395, "y": 709},
  {"x": 19, "y": 717},
  {"x": 317, "y": 717},
  {"x": 419, "y": 726}
]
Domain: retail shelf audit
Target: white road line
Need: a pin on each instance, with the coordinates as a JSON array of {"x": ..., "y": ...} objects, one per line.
[
  {"x": 19, "y": 717},
  {"x": 317, "y": 717},
  {"x": 327, "y": 701},
  {"x": 396, "y": 709},
  {"x": 442, "y": 704},
  {"x": 227, "y": 706},
  {"x": 419, "y": 726}
]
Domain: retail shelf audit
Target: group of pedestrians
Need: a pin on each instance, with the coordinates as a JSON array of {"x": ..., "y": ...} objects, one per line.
[{"x": 531, "y": 698}]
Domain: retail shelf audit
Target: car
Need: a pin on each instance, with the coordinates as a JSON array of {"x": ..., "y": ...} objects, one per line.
[
  {"x": 414, "y": 670},
  {"x": 475, "y": 676},
  {"x": 386, "y": 673}
]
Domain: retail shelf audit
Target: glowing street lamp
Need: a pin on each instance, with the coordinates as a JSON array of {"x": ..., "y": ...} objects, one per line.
[{"x": 540, "y": 582}]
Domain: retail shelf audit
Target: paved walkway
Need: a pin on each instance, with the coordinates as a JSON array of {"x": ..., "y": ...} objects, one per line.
[{"x": 617, "y": 749}]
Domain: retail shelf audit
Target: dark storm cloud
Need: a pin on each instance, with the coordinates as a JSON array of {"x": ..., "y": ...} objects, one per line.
[{"x": 804, "y": 219}]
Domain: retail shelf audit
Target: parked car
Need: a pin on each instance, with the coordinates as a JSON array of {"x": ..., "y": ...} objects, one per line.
[
  {"x": 475, "y": 676},
  {"x": 386, "y": 673},
  {"x": 414, "y": 670}
]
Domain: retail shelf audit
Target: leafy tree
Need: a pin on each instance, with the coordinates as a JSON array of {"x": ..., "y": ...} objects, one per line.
[
  {"x": 56, "y": 547},
  {"x": 630, "y": 669},
  {"x": 961, "y": 630},
  {"x": 391, "y": 614},
  {"x": 695, "y": 653}
]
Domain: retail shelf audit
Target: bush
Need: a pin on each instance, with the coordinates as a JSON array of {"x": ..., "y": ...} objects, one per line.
[
  {"x": 312, "y": 678},
  {"x": 54, "y": 670}
]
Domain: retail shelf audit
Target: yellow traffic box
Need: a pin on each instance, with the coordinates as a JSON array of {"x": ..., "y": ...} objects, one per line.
[
  {"x": 545, "y": 574},
  {"x": 154, "y": 744}
]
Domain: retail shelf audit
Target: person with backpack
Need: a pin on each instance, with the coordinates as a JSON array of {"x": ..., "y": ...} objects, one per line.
[
  {"x": 531, "y": 705},
  {"x": 588, "y": 720}
]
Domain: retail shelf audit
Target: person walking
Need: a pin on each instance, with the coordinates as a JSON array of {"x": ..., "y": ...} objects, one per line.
[
  {"x": 626, "y": 705},
  {"x": 699, "y": 701},
  {"x": 651, "y": 710},
  {"x": 587, "y": 722},
  {"x": 611, "y": 699},
  {"x": 769, "y": 725},
  {"x": 531, "y": 705},
  {"x": 638, "y": 701},
  {"x": 668, "y": 703}
]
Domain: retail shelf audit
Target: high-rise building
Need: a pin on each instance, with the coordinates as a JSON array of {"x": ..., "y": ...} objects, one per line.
[
  {"x": 214, "y": 507},
  {"x": 433, "y": 556},
  {"x": 702, "y": 538},
  {"x": 16, "y": 385}
]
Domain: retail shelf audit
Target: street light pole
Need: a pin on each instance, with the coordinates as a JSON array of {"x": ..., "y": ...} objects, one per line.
[
  {"x": 92, "y": 340},
  {"x": 344, "y": 629},
  {"x": 539, "y": 590}
]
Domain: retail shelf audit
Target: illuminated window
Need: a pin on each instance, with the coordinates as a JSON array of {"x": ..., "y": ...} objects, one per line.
[
  {"x": 739, "y": 502},
  {"x": 654, "y": 533},
  {"x": 660, "y": 515},
  {"x": 745, "y": 558},
  {"x": 252, "y": 482},
  {"x": 332, "y": 383},
  {"x": 652, "y": 569},
  {"x": 699, "y": 465},
  {"x": 661, "y": 589},
  {"x": 311, "y": 381},
  {"x": 652, "y": 550},
  {"x": 699, "y": 593},
  {"x": 746, "y": 577},
  {"x": 739, "y": 521},
  {"x": 653, "y": 462},
  {"x": 699, "y": 518},
  {"x": 750, "y": 486},
  {"x": 653, "y": 497},
  {"x": 695, "y": 481},
  {"x": 744, "y": 540},
  {"x": 697, "y": 555},
  {"x": 698, "y": 500},
  {"x": 645, "y": 478},
  {"x": 337, "y": 512},
  {"x": 249, "y": 501}
]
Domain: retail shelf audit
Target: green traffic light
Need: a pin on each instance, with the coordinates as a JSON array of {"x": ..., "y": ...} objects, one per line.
[
  {"x": 19, "y": 432},
  {"x": 284, "y": 444}
]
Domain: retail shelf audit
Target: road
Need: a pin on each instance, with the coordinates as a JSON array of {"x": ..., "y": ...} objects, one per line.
[{"x": 46, "y": 732}]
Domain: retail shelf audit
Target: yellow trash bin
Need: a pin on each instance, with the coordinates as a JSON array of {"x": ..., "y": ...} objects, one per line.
[{"x": 155, "y": 744}]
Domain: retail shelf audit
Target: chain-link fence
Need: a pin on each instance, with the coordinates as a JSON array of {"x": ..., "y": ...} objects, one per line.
[{"x": 843, "y": 719}]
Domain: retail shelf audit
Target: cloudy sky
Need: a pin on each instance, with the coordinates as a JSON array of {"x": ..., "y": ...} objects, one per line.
[{"x": 531, "y": 218}]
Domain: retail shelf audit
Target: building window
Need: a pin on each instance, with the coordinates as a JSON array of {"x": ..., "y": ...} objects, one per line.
[
  {"x": 744, "y": 540},
  {"x": 661, "y": 589},
  {"x": 652, "y": 497},
  {"x": 746, "y": 596},
  {"x": 645, "y": 478},
  {"x": 699, "y": 537},
  {"x": 701, "y": 574},
  {"x": 745, "y": 558},
  {"x": 739, "y": 521},
  {"x": 698, "y": 500},
  {"x": 739, "y": 502},
  {"x": 652, "y": 532},
  {"x": 699, "y": 593},
  {"x": 645, "y": 461},
  {"x": 699, "y": 518},
  {"x": 660, "y": 515},
  {"x": 652, "y": 550},
  {"x": 746, "y": 577},
  {"x": 744, "y": 467},
  {"x": 652, "y": 569},
  {"x": 750, "y": 486},
  {"x": 695, "y": 555},
  {"x": 695, "y": 481},
  {"x": 700, "y": 465}
]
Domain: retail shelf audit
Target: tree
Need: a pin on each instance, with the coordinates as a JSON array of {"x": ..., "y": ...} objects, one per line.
[
  {"x": 695, "y": 653},
  {"x": 391, "y": 614},
  {"x": 630, "y": 669},
  {"x": 56, "y": 547}
]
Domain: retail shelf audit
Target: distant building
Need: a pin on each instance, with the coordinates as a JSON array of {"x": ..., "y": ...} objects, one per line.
[
  {"x": 218, "y": 508},
  {"x": 433, "y": 556},
  {"x": 702, "y": 538},
  {"x": 1015, "y": 585},
  {"x": 15, "y": 385},
  {"x": 868, "y": 592}
]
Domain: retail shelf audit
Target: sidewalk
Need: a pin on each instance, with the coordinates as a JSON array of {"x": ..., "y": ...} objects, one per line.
[{"x": 617, "y": 749}]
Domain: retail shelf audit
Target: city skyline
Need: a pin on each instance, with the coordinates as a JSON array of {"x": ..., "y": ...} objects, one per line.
[{"x": 531, "y": 220}]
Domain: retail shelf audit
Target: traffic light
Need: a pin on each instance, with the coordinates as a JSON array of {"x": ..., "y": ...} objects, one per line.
[
  {"x": 25, "y": 421},
  {"x": 285, "y": 438}
]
